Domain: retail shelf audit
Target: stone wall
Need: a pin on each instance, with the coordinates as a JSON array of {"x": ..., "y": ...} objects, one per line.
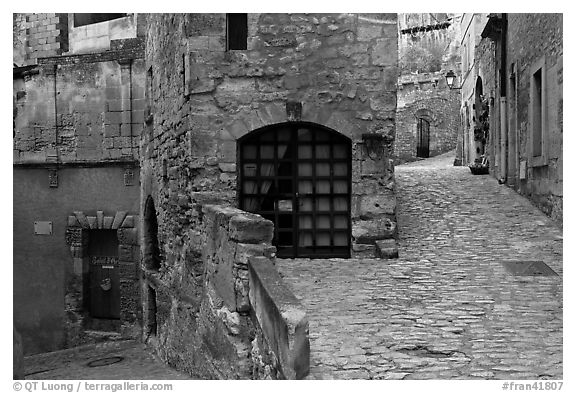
[
  {"x": 199, "y": 316},
  {"x": 39, "y": 35},
  {"x": 533, "y": 38},
  {"x": 428, "y": 97},
  {"x": 341, "y": 69},
  {"x": 76, "y": 128},
  {"x": 428, "y": 48},
  {"x": 77, "y": 109}
]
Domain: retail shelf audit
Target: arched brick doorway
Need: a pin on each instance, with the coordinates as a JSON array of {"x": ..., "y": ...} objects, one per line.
[{"x": 298, "y": 175}]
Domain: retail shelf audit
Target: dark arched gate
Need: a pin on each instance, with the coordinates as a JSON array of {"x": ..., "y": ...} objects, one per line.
[{"x": 298, "y": 175}]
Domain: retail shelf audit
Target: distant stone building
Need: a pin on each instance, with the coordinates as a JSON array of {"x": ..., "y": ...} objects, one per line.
[
  {"x": 427, "y": 118},
  {"x": 289, "y": 116},
  {"x": 512, "y": 100},
  {"x": 78, "y": 114}
]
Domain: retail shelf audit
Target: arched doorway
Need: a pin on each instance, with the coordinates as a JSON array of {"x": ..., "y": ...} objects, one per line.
[
  {"x": 151, "y": 248},
  {"x": 423, "y": 145},
  {"x": 298, "y": 175}
]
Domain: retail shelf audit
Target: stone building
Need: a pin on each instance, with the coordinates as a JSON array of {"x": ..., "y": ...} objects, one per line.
[
  {"x": 427, "y": 117},
  {"x": 512, "y": 77},
  {"x": 289, "y": 116},
  {"x": 78, "y": 113}
]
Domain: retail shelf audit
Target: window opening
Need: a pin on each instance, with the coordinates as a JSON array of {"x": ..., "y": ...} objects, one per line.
[
  {"x": 236, "y": 31},
  {"x": 89, "y": 19}
]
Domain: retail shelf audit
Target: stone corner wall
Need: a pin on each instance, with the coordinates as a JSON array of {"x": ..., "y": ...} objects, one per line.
[
  {"x": 197, "y": 309},
  {"x": 340, "y": 69}
]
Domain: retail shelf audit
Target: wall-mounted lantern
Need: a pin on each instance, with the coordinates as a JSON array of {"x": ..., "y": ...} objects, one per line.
[
  {"x": 450, "y": 79},
  {"x": 373, "y": 144}
]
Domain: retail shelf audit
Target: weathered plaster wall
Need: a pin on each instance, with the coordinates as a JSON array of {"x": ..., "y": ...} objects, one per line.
[
  {"x": 77, "y": 117},
  {"x": 44, "y": 263}
]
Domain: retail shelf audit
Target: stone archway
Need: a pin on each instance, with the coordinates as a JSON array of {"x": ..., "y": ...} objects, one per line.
[
  {"x": 77, "y": 291},
  {"x": 298, "y": 175}
]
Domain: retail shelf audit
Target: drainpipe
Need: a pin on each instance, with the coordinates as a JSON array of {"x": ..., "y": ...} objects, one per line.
[
  {"x": 54, "y": 156},
  {"x": 126, "y": 95},
  {"x": 503, "y": 104}
]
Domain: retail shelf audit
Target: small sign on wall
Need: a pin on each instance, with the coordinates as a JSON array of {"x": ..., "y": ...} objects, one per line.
[
  {"x": 128, "y": 177},
  {"x": 53, "y": 178},
  {"x": 522, "y": 170},
  {"x": 42, "y": 227}
]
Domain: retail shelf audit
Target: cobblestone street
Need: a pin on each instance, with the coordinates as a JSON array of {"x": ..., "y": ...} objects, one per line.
[
  {"x": 137, "y": 363},
  {"x": 447, "y": 308}
]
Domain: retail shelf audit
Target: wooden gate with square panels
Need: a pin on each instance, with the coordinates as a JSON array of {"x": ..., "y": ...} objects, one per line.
[{"x": 298, "y": 175}]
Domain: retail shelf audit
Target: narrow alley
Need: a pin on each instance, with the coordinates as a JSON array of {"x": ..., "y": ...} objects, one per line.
[{"x": 448, "y": 308}]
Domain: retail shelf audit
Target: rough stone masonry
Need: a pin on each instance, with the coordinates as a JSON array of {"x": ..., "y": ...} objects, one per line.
[{"x": 337, "y": 71}]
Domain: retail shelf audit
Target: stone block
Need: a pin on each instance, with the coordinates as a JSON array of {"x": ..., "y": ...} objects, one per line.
[
  {"x": 73, "y": 221},
  {"x": 230, "y": 168},
  {"x": 92, "y": 222},
  {"x": 385, "y": 52},
  {"x": 100, "y": 219},
  {"x": 118, "y": 218},
  {"x": 372, "y": 167},
  {"x": 374, "y": 205},
  {"x": 367, "y": 232},
  {"x": 128, "y": 236},
  {"x": 363, "y": 250},
  {"x": 245, "y": 251},
  {"x": 250, "y": 228},
  {"x": 107, "y": 223},
  {"x": 368, "y": 32},
  {"x": 386, "y": 249},
  {"x": 125, "y": 253},
  {"x": 128, "y": 222},
  {"x": 242, "y": 290},
  {"x": 82, "y": 220}
]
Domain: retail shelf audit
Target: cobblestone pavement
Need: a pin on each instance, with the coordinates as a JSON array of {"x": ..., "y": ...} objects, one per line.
[
  {"x": 138, "y": 363},
  {"x": 447, "y": 308}
]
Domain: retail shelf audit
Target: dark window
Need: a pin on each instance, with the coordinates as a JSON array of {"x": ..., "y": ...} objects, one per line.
[
  {"x": 537, "y": 113},
  {"x": 236, "y": 31},
  {"x": 88, "y": 19}
]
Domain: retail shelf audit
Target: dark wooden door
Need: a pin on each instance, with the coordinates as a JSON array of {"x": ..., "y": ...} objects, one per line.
[
  {"x": 298, "y": 175},
  {"x": 423, "y": 147},
  {"x": 104, "y": 288},
  {"x": 104, "y": 274}
]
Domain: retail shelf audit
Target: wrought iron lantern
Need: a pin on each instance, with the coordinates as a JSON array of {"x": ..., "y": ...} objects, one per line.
[{"x": 450, "y": 79}]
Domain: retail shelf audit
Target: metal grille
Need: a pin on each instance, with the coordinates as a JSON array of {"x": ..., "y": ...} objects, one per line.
[
  {"x": 298, "y": 175},
  {"x": 528, "y": 268}
]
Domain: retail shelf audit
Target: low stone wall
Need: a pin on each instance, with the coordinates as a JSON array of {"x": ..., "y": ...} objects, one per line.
[
  {"x": 201, "y": 317},
  {"x": 281, "y": 318}
]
